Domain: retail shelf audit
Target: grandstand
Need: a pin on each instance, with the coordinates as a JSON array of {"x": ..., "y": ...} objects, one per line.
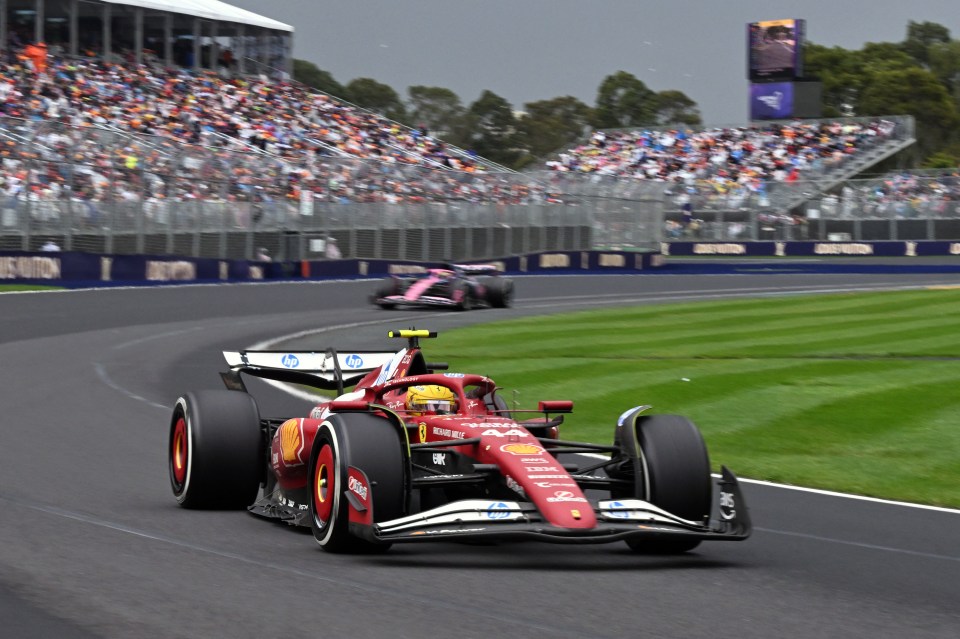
[
  {"x": 726, "y": 167},
  {"x": 740, "y": 179},
  {"x": 85, "y": 138}
]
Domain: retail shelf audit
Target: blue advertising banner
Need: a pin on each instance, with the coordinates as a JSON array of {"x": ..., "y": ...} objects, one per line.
[
  {"x": 811, "y": 248},
  {"x": 84, "y": 269},
  {"x": 547, "y": 262}
]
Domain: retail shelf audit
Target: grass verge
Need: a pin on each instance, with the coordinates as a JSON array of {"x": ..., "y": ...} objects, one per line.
[
  {"x": 852, "y": 392},
  {"x": 7, "y": 288}
]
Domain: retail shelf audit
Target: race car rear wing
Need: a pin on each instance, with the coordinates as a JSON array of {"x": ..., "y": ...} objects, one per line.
[
  {"x": 328, "y": 370},
  {"x": 477, "y": 269}
]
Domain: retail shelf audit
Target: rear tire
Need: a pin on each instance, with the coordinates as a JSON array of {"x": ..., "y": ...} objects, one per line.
[
  {"x": 387, "y": 288},
  {"x": 678, "y": 474},
  {"x": 216, "y": 450},
  {"x": 370, "y": 444},
  {"x": 499, "y": 292}
]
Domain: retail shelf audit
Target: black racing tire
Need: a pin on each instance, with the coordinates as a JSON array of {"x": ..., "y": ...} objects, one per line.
[
  {"x": 386, "y": 288},
  {"x": 371, "y": 444},
  {"x": 678, "y": 474},
  {"x": 216, "y": 453},
  {"x": 466, "y": 299},
  {"x": 499, "y": 292}
]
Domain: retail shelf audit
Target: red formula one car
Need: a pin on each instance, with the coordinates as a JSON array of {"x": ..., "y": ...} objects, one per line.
[
  {"x": 457, "y": 286},
  {"x": 416, "y": 453}
]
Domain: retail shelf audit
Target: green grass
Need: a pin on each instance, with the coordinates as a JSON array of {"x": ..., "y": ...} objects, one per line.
[
  {"x": 856, "y": 392},
  {"x": 6, "y": 288}
]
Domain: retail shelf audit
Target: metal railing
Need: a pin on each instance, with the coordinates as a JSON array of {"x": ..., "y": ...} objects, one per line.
[
  {"x": 912, "y": 206},
  {"x": 101, "y": 191}
]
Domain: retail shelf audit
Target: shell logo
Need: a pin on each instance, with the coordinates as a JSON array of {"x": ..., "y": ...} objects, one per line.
[
  {"x": 291, "y": 441},
  {"x": 521, "y": 449}
]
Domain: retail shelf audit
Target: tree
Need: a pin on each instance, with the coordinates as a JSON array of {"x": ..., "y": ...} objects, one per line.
[
  {"x": 884, "y": 56},
  {"x": 493, "y": 129},
  {"x": 918, "y": 92},
  {"x": 436, "y": 108},
  {"x": 944, "y": 61},
  {"x": 946, "y": 159},
  {"x": 841, "y": 72},
  {"x": 307, "y": 73},
  {"x": 919, "y": 77},
  {"x": 624, "y": 101},
  {"x": 378, "y": 97},
  {"x": 550, "y": 125},
  {"x": 674, "y": 107},
  {"x": 920, "y": 37},
  {"x": 846, "y": 74}
]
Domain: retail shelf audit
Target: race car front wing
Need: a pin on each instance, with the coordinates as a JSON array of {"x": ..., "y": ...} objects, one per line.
[
  {"x": 617, "y": 519},
  {"x": 423, "y": 300}
]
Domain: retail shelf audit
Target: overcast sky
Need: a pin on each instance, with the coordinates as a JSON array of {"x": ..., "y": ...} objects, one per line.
[{"x": 529, "y": 50}]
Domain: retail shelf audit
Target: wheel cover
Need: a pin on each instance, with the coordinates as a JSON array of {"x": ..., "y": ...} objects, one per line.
[
  {"x": 178, "y": 452},
  {"x": 324, "y": 486}
]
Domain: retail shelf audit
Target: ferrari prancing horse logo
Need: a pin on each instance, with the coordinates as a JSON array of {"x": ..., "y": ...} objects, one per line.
[{"x": 423, "y": 432}]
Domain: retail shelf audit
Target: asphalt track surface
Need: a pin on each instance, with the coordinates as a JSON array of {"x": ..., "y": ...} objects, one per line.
[{"x": 92, "y": 543}]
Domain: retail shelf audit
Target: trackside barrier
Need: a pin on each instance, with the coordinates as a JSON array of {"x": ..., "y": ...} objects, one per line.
[
  {"x": 76, "y": 270},
  {"x": 811, "y": 248},
  {"x": 86, "y": 269}
]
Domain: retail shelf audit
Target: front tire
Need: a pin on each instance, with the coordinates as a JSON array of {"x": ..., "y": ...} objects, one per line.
[
  {"x": 216, "y": 450},
  {"x": 677, "y": 469},
  {"x": 370, "y": 444},
  {"x": 462, "y": 293}
]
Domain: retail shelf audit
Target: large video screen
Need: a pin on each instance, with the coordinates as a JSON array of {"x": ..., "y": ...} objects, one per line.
[
  {"x": 771, "y": 101},
  {"x": 775, "y": 49},
  {"x": 784, "y": 100}
]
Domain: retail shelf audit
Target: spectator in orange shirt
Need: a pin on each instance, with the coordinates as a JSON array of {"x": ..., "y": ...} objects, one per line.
[{"x": 37, "y": 53}]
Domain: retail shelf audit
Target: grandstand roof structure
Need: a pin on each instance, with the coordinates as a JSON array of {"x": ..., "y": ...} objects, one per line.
[
  {"x": 193, "y": 34},
  {"x": 208, "y": 9}
]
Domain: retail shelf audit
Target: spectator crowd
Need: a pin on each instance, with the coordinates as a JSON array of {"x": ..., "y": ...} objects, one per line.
[
  {"x": 723, "y": 166},
  {"x": 91, "y": 132},
  {"x": 898, "y": 195},
  {"x": 94, "y": 135}
]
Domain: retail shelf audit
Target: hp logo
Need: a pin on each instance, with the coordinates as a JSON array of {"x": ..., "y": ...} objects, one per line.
[{"x": 497, "y": 511}]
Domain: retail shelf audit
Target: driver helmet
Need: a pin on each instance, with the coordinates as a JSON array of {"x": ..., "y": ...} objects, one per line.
[{"x": 431, "y": 399}]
